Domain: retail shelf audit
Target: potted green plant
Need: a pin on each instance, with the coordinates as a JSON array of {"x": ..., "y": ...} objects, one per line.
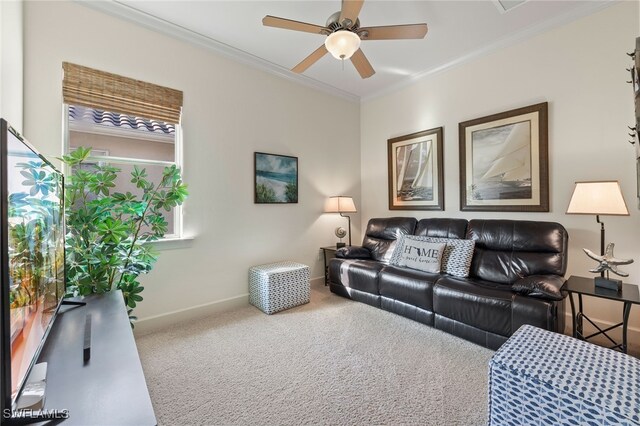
[{"x": 108, "y": 232}]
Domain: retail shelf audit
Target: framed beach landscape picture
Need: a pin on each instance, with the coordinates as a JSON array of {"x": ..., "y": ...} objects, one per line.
[
  {"x": 504, "y": 161},
  {"x": 415, "y": 171},
  {"x": 276, "y": 179}
]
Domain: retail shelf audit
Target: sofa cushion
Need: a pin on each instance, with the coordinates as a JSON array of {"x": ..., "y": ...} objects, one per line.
[
  {"x": 507, "y": 250},
  {"x": 408, "y": 286},
  {"x": 419, "y": 254},
  {"x": 441, "y": 228},
  {"x": 357, "y": 274},
  {"x": 477, "y": 303},
  {"x": 381, "y": 235}
]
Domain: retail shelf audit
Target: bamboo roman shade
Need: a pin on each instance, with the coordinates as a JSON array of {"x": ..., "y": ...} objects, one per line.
[{"x": 102, "y": 90}]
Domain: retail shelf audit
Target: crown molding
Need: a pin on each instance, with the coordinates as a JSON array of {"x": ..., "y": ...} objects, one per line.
[
  {"x": 128, "y": 13},
  {"x": 510, "y": 40}
]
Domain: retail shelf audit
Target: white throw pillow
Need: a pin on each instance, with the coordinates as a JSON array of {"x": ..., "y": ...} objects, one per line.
[
  {"x": 421, "y": 255},
  {"x": 456, "y": 259}
]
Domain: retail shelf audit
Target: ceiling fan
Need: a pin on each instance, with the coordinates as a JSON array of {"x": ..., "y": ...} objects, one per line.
[{"x": 344, "y": 34}]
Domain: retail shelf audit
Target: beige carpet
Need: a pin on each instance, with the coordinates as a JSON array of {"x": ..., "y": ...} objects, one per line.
[{"x": 330, "y": 362}]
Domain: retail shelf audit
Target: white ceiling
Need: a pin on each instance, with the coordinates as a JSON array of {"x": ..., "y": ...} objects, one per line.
[{"x": 458, "y": 30}]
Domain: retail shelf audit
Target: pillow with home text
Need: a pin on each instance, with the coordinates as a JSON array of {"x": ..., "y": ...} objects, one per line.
[
  {"x": 456, "y": 258},
  {"x": 421, "y": 255}
]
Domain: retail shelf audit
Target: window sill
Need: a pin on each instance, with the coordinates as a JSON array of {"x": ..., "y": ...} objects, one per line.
[{"x": 173, "y": 243}]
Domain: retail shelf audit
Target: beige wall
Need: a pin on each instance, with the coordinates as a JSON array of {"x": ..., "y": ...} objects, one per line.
[
  {"x": 11, "y": 55},
  {"x": 230, "y": 111},
  {"x": 580, "y": 70}
]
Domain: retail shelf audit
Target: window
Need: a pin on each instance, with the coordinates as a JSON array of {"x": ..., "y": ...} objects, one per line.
[{"x": 127, "y": 123}]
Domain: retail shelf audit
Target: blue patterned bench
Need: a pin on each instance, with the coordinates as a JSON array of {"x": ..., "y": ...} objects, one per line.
[{"x": 542, "y": 378}]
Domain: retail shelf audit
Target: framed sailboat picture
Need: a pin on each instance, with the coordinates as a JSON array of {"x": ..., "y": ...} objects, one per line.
[
  {"x": 504, "y": 161},
  {"x": 416, "y": 179}
]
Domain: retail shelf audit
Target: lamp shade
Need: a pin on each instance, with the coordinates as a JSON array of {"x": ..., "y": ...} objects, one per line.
[
  {"x": 340, "y": 205},
  {"x": 599, "y": 198},
  {"x": 342, "y": 44}
]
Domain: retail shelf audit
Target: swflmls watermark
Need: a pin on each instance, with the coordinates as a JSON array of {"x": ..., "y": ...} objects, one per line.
[{"x": 36, "y": 414}]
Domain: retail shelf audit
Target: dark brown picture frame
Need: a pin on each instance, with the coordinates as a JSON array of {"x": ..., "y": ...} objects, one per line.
[
  {"x": 273, "y": 179},
  {"x": 427, "y": 143},
  {"x": 494, "y": 161}
]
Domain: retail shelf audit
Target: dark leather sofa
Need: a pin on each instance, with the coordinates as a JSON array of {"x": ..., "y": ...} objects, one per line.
[{"x": 515, "y": 278}]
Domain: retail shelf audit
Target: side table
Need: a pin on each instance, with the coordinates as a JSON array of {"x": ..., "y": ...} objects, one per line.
[
  {"x": 328, "y": 254},
  {"x": 629, "y": 295}
]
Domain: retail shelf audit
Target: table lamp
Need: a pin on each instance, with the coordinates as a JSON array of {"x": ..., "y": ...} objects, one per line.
[
  {"x": 341, "y": 204},
  {"x": 600, "y": 198}
]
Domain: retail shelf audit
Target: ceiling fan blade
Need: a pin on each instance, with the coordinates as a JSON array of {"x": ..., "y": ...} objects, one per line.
[
  {"x": 288, "y": 24},
  {"x": 394, "y": 32},
  {"x": 350, "y": 10},
  {"x": 362, "y": 64},
  {"x": 310, "y": 60}
]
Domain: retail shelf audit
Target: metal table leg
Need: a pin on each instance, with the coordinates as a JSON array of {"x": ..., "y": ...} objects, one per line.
[
  {"x": 579, "y": 317},
  {"x": 573, "y": 315},
  {"x": 326, "y": 268},
  {"x": 625, "y": 322}
]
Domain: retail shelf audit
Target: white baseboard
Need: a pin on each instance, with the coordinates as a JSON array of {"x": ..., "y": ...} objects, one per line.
[
  {"x": 633, "y": 333},
  {"x": 158, "y": 322}
]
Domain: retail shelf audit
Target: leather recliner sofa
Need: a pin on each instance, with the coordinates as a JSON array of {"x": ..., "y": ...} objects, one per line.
[{"x": 516, "y": 275}]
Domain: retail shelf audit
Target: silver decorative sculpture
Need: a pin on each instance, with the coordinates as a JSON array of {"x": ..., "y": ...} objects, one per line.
[{"x": 607, "y": 262}]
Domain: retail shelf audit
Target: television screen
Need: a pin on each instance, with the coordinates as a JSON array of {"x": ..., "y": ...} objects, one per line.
[{"x": 33, "y": 257}]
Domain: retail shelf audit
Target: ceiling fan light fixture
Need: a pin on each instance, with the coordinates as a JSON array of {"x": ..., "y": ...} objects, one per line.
[{"x": 342, "y": 44}]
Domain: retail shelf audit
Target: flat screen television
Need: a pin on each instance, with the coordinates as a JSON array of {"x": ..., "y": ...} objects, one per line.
[{"x": 32, "y": 260}]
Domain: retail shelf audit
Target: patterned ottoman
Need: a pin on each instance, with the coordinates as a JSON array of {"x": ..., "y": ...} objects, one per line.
[
  {"x": 542, "y": 378},
  {"x": 278, "y": 286}
]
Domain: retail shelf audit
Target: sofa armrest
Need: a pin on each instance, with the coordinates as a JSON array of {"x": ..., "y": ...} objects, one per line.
[
  {"x": 540, "y": 286},
  {"x": 353, "y": 252}
]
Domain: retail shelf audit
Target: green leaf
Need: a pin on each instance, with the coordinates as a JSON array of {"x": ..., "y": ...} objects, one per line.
[
  {"x": 112, "y": 230},
  {"x": 123, "y": 197},
  {"x": 76, "y": 157},
  {"x": 102, "y": 183},
  {"x": 138, "y": 176}
]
